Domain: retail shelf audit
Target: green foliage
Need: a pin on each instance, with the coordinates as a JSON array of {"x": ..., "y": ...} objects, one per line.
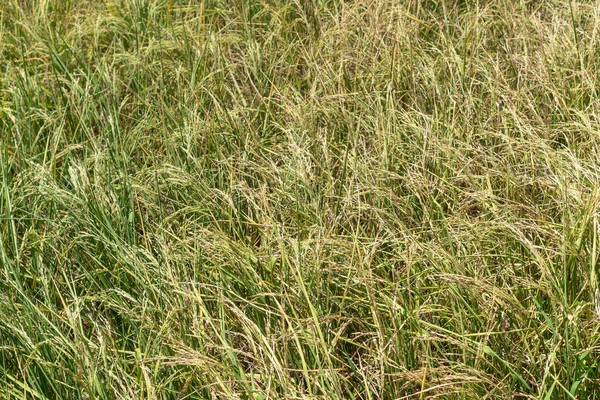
[{"x": 299, "y": 199}]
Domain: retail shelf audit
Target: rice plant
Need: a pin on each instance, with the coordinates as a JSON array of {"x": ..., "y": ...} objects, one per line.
[{"x": 306, "y": 199}]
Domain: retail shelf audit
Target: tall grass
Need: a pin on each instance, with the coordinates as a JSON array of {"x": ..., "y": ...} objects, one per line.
[{"x": 299, "y": 199}]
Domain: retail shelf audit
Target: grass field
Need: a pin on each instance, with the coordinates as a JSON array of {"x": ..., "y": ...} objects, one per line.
[{"x": 305, "y": 199}]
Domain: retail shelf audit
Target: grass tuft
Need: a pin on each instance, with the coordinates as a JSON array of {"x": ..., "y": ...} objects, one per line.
[{"x": 299, "y": 199}]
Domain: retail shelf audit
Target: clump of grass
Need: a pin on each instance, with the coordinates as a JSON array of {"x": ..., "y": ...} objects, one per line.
[{"x": 305, "y": 199}]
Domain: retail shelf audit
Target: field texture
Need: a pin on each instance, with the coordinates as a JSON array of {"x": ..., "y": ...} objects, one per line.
[{"x": 303, "y": 199}]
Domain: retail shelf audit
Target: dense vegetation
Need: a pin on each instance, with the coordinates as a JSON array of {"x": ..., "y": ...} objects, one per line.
[{"x": 304, "y": 199}]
